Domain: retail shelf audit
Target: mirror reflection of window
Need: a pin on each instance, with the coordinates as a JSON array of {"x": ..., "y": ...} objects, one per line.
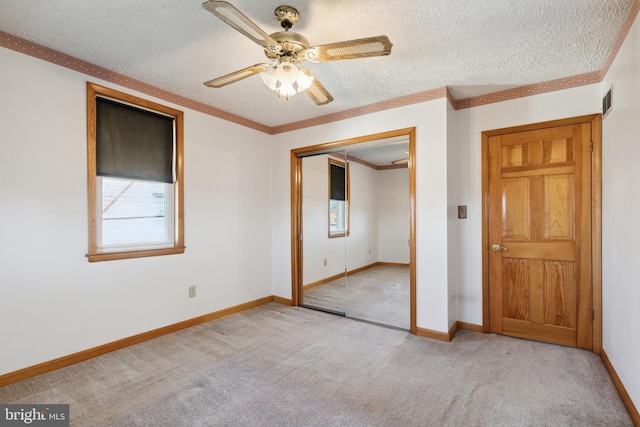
[
  {"x": 336, "y": 216},
  {"x": 338, "y": 198}
]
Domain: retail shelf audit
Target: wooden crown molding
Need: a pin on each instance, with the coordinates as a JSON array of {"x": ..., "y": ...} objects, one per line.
[
  {"x": 46, "y": 54},
  {"x": 41, "y": 52}
]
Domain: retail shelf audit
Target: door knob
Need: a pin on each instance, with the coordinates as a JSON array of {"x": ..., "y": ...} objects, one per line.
[{"x": 498, "y": 248}]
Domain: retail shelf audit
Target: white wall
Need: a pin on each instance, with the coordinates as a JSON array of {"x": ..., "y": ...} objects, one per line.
[
  {"x": 363, "y": 211},
  {"x": 54, "y": 302},
  {"x": 317, "y": 246},
  {"x": 379, "y": 223},
  {"x": 429, "y": 118},
  {"x": 470, "y": 123},
  {"x": 620, "y": 207},
  {"x": 393, "y": 215}
]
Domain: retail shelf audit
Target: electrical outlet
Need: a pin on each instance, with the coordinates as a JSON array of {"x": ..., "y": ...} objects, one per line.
[
  {"x": 192, "y": 291},
  {"x": 369, "y": 251},
  {"x": 325, "y": 262}
]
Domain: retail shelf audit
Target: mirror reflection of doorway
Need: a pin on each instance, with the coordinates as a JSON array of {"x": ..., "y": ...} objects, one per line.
[{"x": 355, "y": 248}]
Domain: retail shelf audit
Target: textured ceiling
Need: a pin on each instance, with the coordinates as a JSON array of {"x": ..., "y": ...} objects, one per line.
[
  {"x": 379, "y": 153},
  {"x": 474, "y": 47}
]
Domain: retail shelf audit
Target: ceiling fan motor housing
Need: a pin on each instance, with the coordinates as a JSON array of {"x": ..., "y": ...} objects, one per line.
[{"x": 291, "y": 43}]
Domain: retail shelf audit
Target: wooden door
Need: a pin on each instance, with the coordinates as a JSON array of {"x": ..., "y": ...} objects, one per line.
[{"x": 539, "y": 225}]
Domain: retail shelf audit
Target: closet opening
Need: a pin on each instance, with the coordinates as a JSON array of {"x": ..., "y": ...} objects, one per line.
[{"x": 353, "y": 228}]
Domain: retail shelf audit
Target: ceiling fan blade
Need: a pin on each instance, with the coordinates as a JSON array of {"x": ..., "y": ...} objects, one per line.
[
  {"x": 352, "y": 49},
  {"x": 237, "y": 75},
  {"x": 237, "y": 20},
  {"x": 316, "y": 91}
]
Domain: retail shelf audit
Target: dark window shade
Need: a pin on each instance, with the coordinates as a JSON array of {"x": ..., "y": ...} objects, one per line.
[
  {"x": 338, "y": 189},
  {"x": 133, "y": 143}
]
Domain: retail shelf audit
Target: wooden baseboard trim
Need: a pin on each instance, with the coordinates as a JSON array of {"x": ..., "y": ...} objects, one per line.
[
  {"x": 361, "y": 269},
  {"x": 454, "y": 330},
  {"x": 392, "y": 264},
  {"x": 322, "y": 281},
  {"x": 349, "y": 273},
  {"x": 469, "y": 326},
  {"x": 626, "y": 399},
  {"x": 337, "y": 276},
  {"x": 441, "y": 336},
  {"x": 284, "y": 301},
  {"x": 72, "y": 359},
  {"x": 436, "y": 335}
]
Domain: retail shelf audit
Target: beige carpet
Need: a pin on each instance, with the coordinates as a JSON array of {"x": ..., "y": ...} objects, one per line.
[
  {"x": 379, "y": 294},
  {"x": 285, "y": 366}
]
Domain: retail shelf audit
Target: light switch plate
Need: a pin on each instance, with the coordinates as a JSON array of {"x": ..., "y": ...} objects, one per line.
[{"x": 462, "y": 212}]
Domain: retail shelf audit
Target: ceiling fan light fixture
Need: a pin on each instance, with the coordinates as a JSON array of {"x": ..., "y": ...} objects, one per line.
[
  {"x": 287, "y": 49},
  {"x": 286, "y": 79},
  {"x": 400, "y": 161},
  {"x": 269, "y": 78},
  {"x": 286, "y": 90},
  {"x": 304, "y": 81}
]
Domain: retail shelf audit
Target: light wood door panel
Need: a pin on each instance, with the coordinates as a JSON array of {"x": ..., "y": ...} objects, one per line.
[{"x": 539, "y": 213}]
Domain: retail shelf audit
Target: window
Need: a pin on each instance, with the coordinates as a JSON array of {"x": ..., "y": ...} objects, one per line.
[
  {"x": 338, "y": 198},
  {"x": 135, "y": 176}
]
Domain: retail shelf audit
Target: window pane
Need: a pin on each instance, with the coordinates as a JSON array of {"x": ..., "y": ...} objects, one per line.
[
  {"x": 135, "y": 212},
  {"x": 336, "y": 216}
]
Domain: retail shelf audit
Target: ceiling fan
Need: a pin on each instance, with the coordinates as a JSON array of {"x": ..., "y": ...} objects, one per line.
[{"x": 285, "y": 49}]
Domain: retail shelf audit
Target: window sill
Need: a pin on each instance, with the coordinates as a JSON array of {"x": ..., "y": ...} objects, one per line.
[
  {"x": 110, "y": 256},
  {"x": 334, "y": 235}
]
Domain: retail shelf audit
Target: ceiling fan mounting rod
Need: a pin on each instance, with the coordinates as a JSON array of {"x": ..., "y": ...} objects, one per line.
[{"x": 287, "y": 16}]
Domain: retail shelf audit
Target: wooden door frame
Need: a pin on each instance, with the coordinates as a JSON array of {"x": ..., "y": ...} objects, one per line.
[
  {"x": 296, "y": 212},
  {"x": 596, "y": 215}
]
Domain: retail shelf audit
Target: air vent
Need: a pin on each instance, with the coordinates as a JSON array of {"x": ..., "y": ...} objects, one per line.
[{"x": 606, "y": 104}]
